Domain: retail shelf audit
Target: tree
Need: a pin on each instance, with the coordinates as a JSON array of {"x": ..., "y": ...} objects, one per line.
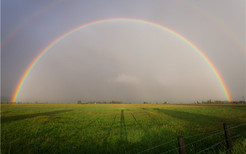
[{"x": 79, "y": 102}]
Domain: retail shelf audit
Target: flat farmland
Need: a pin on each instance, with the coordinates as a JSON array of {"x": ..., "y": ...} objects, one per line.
[{"x": 120, "y": 128}]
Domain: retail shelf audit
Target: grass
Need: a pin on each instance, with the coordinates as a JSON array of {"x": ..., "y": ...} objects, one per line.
[{"x": 118, "y": 128}]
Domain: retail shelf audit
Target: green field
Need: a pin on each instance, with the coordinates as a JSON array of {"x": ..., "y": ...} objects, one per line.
[{"x": 119, "y": 128}]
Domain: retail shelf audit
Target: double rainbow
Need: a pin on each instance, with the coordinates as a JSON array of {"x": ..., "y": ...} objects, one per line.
[{"x": 53, "y": 43}]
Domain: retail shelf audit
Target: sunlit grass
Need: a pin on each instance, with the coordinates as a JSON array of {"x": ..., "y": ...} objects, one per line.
[{"x": 114, "y": 128}]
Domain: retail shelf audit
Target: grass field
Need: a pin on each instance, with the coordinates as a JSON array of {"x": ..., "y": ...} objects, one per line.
[{"x": 119, "y": 128}]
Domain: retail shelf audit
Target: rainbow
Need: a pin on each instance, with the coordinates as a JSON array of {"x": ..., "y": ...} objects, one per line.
[
  {"x": 219, "y": 24},
  {"x": 16, "y": 30},
  {"x": 59, "y": 39}
]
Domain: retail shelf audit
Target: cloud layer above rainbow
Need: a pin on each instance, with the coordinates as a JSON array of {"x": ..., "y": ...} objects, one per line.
[
  {"x": 23, "y": 24},
  {"x": 52, "y": 44}
]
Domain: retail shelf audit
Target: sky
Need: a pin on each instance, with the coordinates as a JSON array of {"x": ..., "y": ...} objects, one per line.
[{"x": 123, "y": 60}]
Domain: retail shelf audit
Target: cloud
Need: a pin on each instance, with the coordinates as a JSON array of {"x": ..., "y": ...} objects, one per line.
[{"x": 124, "y": 78}]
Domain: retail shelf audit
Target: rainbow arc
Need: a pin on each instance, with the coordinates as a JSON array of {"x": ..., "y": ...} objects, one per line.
[{"x": 59, "y": 39}]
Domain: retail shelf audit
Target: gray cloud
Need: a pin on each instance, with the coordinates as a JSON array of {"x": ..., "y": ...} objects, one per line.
[{"x": 125, "y": 61}]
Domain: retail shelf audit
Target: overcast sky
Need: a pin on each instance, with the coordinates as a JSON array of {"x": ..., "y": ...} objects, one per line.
[{"x": 123, "y": 61}]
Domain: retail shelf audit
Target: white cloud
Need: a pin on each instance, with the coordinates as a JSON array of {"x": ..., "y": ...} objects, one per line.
[{"x": 124, "y": 78}]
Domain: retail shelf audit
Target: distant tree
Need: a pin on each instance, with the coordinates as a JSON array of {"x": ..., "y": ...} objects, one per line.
[
  {"x": 116, "y": 102},
  {"x": 79, "y": 102}
]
